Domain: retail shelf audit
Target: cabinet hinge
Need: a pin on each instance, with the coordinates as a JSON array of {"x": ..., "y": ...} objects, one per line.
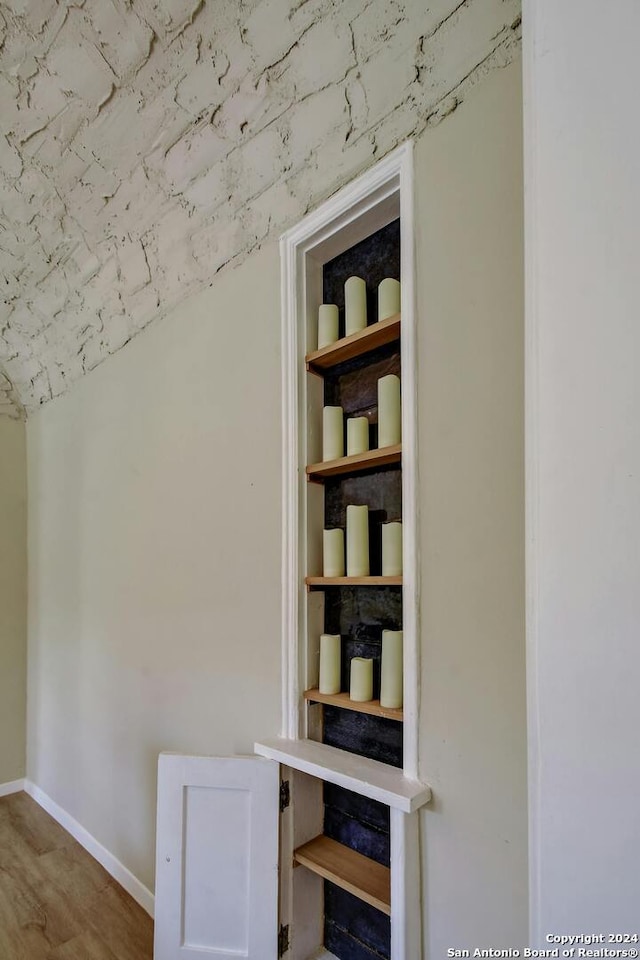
[
  {"x": 285, "y": 795},
  {"x": 283, "y": 939}
]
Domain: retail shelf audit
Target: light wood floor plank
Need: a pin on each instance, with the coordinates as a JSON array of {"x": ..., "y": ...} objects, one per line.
[
  {"x": 38, "y": 830},
  {"x": 85, "y": 947},
  {"x": 56, "y": 901},
  {"x": 115, "y": 919}
]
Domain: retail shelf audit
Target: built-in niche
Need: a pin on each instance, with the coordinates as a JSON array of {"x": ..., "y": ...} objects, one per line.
[
  {"x": 353, "y": 929},
  {"x": 351, "y": 829}
]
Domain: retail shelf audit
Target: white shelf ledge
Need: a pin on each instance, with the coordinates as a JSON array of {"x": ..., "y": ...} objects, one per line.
[{"x": 370, "y": 778}]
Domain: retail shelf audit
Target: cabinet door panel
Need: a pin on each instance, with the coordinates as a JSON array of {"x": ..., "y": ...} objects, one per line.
[{"x": 216, "y": 858}]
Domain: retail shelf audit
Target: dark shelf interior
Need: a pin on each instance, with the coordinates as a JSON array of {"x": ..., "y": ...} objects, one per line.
[{"x": 353, "y": 929}]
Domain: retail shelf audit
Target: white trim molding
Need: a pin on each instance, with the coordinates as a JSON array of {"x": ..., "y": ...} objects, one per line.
[
  {"x": 290, "y": 510},
  {"x": 382, "y": 194},
  {"x": 369, "y": 778},
  {"x": 406, "y": 930},
  {"x": 111, "y": 864},
  {"x": 532, "y": 405},
  {"x": 13, "y": 786},
  {"x": 378, "y": 197}
]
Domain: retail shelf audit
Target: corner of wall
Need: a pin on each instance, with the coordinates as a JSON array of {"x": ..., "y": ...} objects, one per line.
[{"x": 13, "y": 600}]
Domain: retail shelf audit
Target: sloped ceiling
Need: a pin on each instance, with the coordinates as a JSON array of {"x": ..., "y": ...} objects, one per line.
[{"x": 145, "y": 144}]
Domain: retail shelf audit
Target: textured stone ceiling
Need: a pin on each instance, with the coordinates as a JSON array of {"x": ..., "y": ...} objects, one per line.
[{"x": 145, "y": 144}]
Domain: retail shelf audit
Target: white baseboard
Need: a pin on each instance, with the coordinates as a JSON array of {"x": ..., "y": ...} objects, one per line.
[
  {"x": 112, "y": 865},
  {"x": 14, "y": 786}
]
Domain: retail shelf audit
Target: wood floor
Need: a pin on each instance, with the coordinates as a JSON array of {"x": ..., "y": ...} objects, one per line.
[{"x": 56, "y": 901}]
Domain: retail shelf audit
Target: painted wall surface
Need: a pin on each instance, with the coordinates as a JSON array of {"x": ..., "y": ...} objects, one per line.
[
  {"x": 583, "y": 344},
  {"x": 473, "y": 741},
  {"x": 13, "y": 598},
  {"x": 155, "y": 559},
  {"x": 155, "y": 541}
]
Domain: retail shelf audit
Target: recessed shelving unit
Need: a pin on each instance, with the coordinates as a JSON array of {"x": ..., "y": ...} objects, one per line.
[
  {"x": 353, "y": 765},
  {"x": 372, "y": 707},
  {"x": 357, "y": 345},
  {"x": 349, "y": 870},
  {"x": 359, "y": 462}
]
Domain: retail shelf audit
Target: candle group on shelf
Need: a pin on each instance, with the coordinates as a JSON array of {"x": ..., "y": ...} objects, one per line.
[
  {"x": 389, "y": 423},
  {"x": 333, "y": 434},
  {"x": 361, "y": 680},
  {"x": 347, "y": 551},
  {"x": 355, "y": 309},
  {"x": 357, "y": 552}
]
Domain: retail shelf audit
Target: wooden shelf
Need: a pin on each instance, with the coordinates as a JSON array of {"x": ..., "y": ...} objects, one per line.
[
  {"x": 374, "y": 336},
  {"x": 318, "y": 583},
  {"x": 343, "y": 700},
  {"x": 351, "y": 871},
  {"x": 381, "y": 457}
]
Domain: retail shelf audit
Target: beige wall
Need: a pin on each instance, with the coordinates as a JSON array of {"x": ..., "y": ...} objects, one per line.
[
  {"x": 473, "y": 742},
  {"x": 13, "y": 598},
  {"x": 155, "y": 541},
  {"x": 583, "y": 471},
  {"x": 155, "y": 559}
]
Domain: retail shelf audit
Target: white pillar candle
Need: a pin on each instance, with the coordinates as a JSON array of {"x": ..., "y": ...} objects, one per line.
[
  {"x": 389, "y": 417},
  {"x": 329, "y": 663},
  {"x": 357, "y": 541},
  {"x": 388, "y": 298},
  {"x": 391, "y": 669},
  {"x": 333, "y": 553},
  {"x": 355, "y": 305},
  {"x": 327, "y": 324},
  {"x": 332, "y": 433},
  {"x": 392, "y": 549},
  {"x": 357, "y": 435},
  {"x": 361, "y": 687}
]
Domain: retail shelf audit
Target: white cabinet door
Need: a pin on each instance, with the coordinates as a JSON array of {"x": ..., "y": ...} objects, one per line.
[{"x": 217, "y": 858}]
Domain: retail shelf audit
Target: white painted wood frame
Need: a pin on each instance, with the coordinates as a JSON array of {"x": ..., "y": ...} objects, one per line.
[
  {"x": 376, "y": 198},
  {"x": 371, "y": 778},
  {"x": 406, "y": 926}
]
